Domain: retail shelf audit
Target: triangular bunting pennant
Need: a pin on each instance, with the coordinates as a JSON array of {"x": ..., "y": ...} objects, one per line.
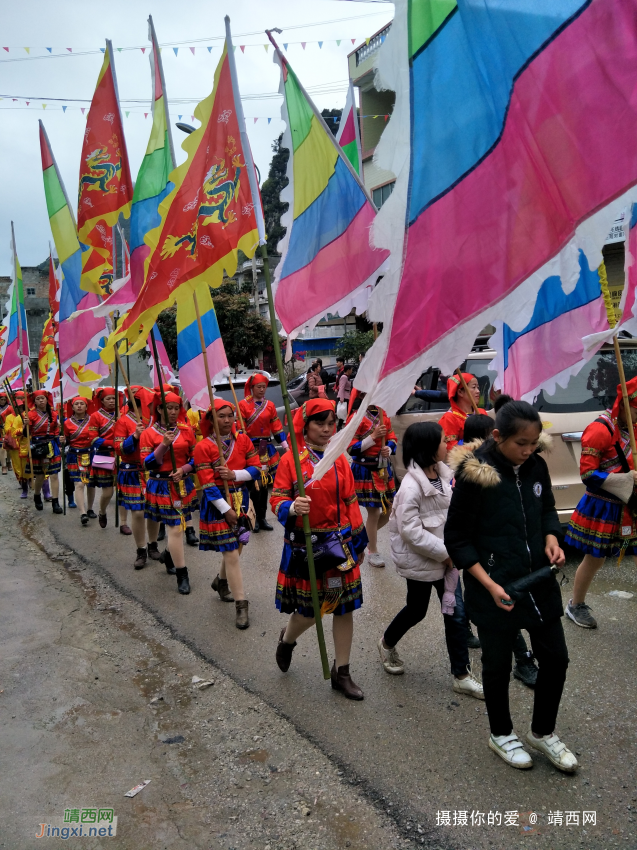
[
  {"x": 127, "y": 114},
  {"x": 28, "y": 102},
  {"x": 243, "y": 48},
  {"x": 269, "y": 119},
  {"x": 102, "y": 50},
  {"x": 320, "y": 44},
  {"x": 70, "y": 49},
  {"x": 143, "y": 49},
  {"x": 255, "y": 120},
  {"x": 210, "y": 50},
  {"x": 338, "y": 42},
  {"x": 28, "y": 49},
  {"x": 83, "y": 108},
  {"x": 303, "y": 43},
  {"x": 64, "y": 108},
  {"x": 353, "y": 40},
  {"x": 119, "y": 49},
  {"x": 176, "y": 49},
  {"x": 192, "y": 117},
  {"x": 180, "y": 117},
  {"x": 6, "y": 48},
  {"x": 50, "y": 49},
  {"x": 44, "y": 106},
  {"x": 145, "y": 114},
  {"x": 265, "y": 47},
  {"x": 285, "y": 46},
  {"x": 366, "y": 41},
  {"x": 192, "y": 50}
]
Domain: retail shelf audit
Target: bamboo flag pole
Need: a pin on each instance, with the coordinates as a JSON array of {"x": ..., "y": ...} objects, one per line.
[
  {"x": 62, "y": 455},
  {"x": 254, "y": 189},
  {"x": 163, "y": 397},
  {"x": 382, "y": 470},
  {"x": 612, "y": 321},
  {"x": 465, "y": 387},
  {"x": 128, "y": 387},
  {"x": 116, "y": 382},
  {"x": 236, "y": 401},
  {"x": 213, "y": 409},
  {"x": 19, "y": 303}
]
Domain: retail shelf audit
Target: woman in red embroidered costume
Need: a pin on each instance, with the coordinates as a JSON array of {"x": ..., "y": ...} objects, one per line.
[
  {"x": 45, "y": 447},
  {"x": 336, "y": 524},
  {"x": 603, "y": 522},
  {"x": 372, "y": 471},
  {"x": 131, "y": 485},
  {"x": 102, "y": 430},
  {"x": 262, "y": 425},
  {"x": 78, "y": 438},
  {"x": 218, "y": 520},
  {"x": 452, "y": 422},
  {"x": 5, "y": 410},
  {"x": 170, "y": 496}
]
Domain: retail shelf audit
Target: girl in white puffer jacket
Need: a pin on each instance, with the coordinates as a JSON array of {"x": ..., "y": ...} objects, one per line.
[{"x": 416, "y": 529}]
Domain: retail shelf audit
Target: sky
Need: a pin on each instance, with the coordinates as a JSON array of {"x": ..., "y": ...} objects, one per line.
[{"x": 41, "y": 78}]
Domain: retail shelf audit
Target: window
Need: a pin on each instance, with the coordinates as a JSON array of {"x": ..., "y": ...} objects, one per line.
[
  {"x": 380, "y": 195},
  {"x": 30, "y": 290}
]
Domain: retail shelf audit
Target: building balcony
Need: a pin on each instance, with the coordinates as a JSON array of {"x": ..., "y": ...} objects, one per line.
[{"x": 366, "y": 50}]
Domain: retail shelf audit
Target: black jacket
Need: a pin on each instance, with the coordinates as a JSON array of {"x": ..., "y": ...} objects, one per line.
[{"x": 500, "y": 520}]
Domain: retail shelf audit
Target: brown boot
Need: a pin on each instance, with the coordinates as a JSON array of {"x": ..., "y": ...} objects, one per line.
[
  {"x": 284, "y": 653},
  {"x": 242, "y": 621},
  {"x": 153, "y": 552},
  {"x": 342, "y": 681},
  {"x": 221, "y": 586},
  {"x": 140, "y": 561}
]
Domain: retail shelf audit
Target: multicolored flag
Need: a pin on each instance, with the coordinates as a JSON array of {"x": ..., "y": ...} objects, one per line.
[
  {"x": 48, "y": 370},
  {"x": 55, "y": 279},
  {"x": 78, "y": 338},
  {"x": 207, "y": 218},
  {"x": 348, "y": 135},
  {"x": 105, "y": 187},
  {"x": 192, "y": 371},
  {"x": 16, "y": 350},
  {"x": 327, "y": 263},
  {"x": 506, "y": 173},
  {"x": 165, "y": 366}
]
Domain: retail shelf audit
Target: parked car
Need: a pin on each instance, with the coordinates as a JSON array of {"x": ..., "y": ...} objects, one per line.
[{"x": 565, "y": 414}]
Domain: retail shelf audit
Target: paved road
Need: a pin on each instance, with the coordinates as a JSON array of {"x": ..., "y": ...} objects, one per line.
[{"x": 414, "y": 746}]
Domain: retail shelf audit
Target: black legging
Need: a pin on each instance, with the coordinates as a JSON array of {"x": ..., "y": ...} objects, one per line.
[
  {"x": 259, "y": 499},
  {"x": 418, "y": 595}
]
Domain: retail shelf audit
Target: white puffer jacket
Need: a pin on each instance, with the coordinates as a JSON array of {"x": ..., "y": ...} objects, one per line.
[{"x": 417, "y": 524}]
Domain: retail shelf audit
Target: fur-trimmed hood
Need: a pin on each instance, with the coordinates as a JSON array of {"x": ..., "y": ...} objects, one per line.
[{"x": 465, "y": 464}]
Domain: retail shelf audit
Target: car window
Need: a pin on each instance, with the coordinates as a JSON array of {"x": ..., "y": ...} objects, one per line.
[
  {"x": 593, "y": 388},
  {"x": 482, "y": 370}
]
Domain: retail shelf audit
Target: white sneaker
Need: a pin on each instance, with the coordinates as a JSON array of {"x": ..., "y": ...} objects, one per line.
[
  {"x": 469, "y": 686},
  {"x": 392, "y": 663},
  {"x": 375, "y": 559},
  {"x": 511, "y": 750},
  {"x": 555, "y": 750}
]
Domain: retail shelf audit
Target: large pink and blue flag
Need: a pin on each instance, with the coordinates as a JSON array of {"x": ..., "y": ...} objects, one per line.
[
  {"x": 506, "y": 173},
  {"x": 327, "y": 262},
  {"x": 192, "y": 371},
  {"x": 15, "y": 361}
]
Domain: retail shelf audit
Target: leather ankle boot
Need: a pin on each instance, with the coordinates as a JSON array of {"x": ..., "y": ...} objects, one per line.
[
  {"x": 153, "y": 552},
  {"x": 242, "y": 621},
  {"x": 55, "y": 505},
  {"x": 37, "y": 501},
  {"x": 167, "y": 559},
  {"x": 140, "y": 561},
  {"x": 183, "y": 585},
  {"x": 223, "y": 589},
  {"x": 191, "y": 537},
  {"x": 342, "y": 681},
  {"x": 284, "y": 653}
]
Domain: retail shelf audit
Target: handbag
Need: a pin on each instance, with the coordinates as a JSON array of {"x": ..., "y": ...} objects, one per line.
[
  {"x": 104, "y": 462},
  {"x": 40, "y": 451},
  {"x": 335, "y": 552},
  {"x": 341, "y": 410},
  {"x": 321, "y": 391}
]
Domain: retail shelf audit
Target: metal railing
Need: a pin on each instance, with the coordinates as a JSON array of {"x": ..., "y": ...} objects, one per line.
[{"x": 371, "y": 46}]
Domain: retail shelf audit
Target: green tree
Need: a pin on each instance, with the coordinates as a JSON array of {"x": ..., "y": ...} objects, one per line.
[
  {"x": 353, "y": 344},
  {"x": 273, "y": 207},
  {"x": 332, "y": 118}
]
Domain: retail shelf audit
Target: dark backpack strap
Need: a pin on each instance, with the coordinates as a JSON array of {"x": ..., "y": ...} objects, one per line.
[{"x": 620, "y": 453}]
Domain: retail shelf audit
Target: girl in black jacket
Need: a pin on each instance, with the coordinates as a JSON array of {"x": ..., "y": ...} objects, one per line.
[{"x": 502, "y": 525}]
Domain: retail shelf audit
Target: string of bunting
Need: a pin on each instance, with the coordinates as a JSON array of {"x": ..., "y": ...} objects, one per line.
[{"x": 208, "y": 48}]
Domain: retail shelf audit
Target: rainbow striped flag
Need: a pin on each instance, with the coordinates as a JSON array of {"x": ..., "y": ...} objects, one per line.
[
  {"x": 506, "y": 172},
  {"x": 48, "y": 371},
  {"x": 348, "y": 135},
  {"x": 16, "y": 350},
  {"x": 192, "y": 372},
  {"x": 79, "y": 338},
  {"x": 207, "y": 218},
  {"x": 327, "y": 263},
  {"x": 105, "y": 187},
  {"x": 166, "y": 369}
]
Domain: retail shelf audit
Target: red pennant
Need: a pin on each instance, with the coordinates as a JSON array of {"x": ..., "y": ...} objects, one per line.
[
  {"x": 353, "y": 41},
  {"x": 143, "y": 49},
  {"x": 243, "y": 48},
  {"x": 6, "y": 48},
  {"x": 70, "y": 49},
  {"x": 145, "y": 114}
]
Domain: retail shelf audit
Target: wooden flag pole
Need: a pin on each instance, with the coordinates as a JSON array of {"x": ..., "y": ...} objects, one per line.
[
  {"x": 382, "y": 471},
  {"x": 62, "y": 456},
  {"x": 622, "y": 380},
  {"x": 236, "y": 401},
  {"x": 25, "y": 419},
  {"x": 215, "y": 421},
  {"x": 128, "y": 387},
  {"x": 465, "y": 387},
  {"x": 297, "y": 464},
  {"x": 163, "y": 396}
]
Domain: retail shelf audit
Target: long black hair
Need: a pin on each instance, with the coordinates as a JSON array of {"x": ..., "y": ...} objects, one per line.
[
  {"x": 515, "y": 415},
  {"x": 421, "y": 443}
]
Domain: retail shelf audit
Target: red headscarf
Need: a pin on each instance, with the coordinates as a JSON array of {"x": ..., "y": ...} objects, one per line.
[
  {"x": 19, "y": 396},
  {"x": 144, "y": 398},
  {"x": 631, "y": 387},
  {"x": 171, "y": 398},
  {"x": 69, "y": 405},
  {"x": 310, "y": 408},
  {"x": 31, "y": 397},
  {"x": 453, "y": 385},
  {"x": 101, "y": 392},
  {"x": 206, "y": 424},
  {"x": 257, "y": 378}
]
